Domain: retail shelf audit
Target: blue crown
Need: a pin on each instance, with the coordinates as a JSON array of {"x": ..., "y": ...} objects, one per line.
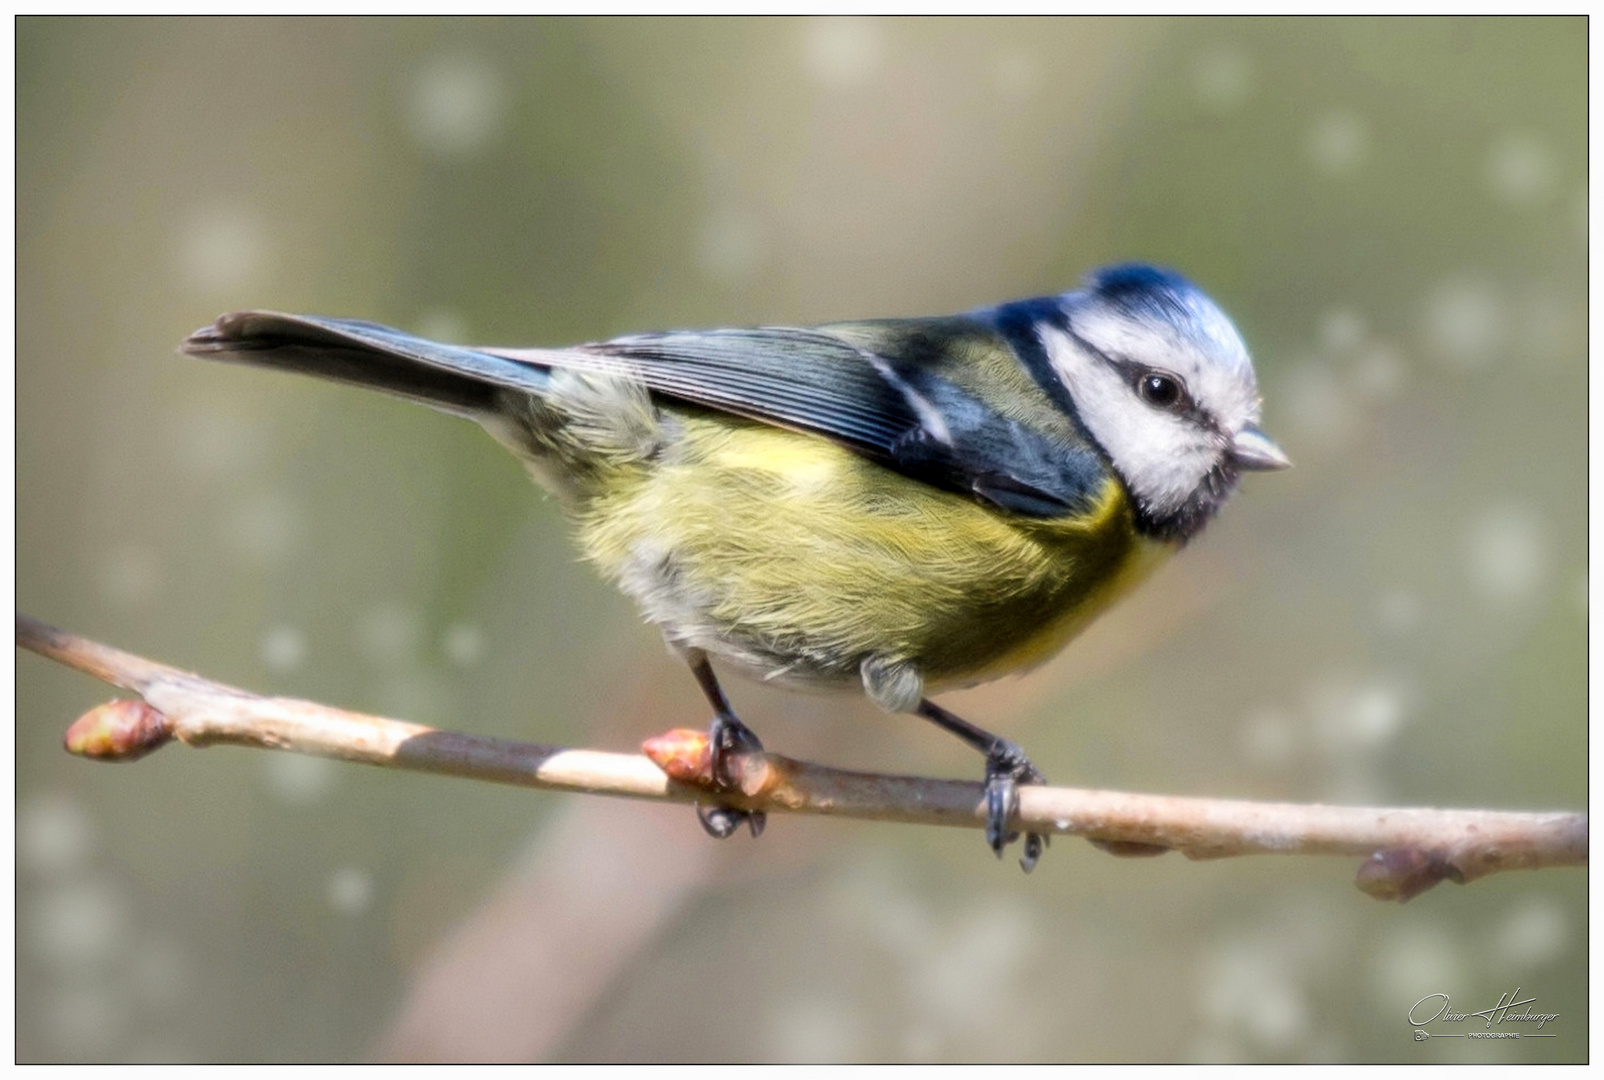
[
  {"x": 1155, "y": 294},
  {"x": 1140, "y": 289}
]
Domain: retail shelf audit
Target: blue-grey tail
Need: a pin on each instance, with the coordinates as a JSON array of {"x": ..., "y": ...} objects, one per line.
[{"x": 447, "y": 377}]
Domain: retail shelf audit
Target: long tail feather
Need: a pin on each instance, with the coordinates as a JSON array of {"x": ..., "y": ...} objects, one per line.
[{"x": 447, "y": 377}]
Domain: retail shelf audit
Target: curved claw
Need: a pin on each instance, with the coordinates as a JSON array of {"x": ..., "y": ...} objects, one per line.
[
  {"x": 1035, "y": 844},
  {"x": 1006, "y": 768},
  {"x": 727, "y": 737},
  {"x": 1002, "y": 800},
  {"x": 721, "y": 822}
]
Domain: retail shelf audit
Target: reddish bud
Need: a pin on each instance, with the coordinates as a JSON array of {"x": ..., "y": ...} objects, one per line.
[
  {"x": 124, "y": 730},
  {"x": 682, "y": 753}
]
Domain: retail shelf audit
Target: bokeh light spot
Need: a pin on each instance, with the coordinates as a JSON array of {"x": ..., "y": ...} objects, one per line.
[
  {"x": 1465, "y": 322},
  {"x": 1379, "y": 371},
  {"x": 218, "y": 441},
  {"x": 1522, "y": 170},
  {"x": 221, "y": 249},
  {"x": 1359, "y": 714},
  {"x": 299, "y": 779},
  {"x": 840, "y": 52},
  {"x": 1017, "y": 74},
  {"x": 443, "y": 324},
  {"x": 1248, "y": 986},
  {"x": 1339, "y": 143},
  {"x": 1222, "y": 78},
  {"x": 80, "y": 923},
  {"x": 350, "y": 890},
  {"x": 967, "y": 976},
  {"x": 456, "y": 105},
  {"x": 464, "y": 644},
  {"x": 1317, "y": 406},
  {"x": 1506, "y": 554},
  {"x": 814, "y": 1030},
  {"x": 54, "y": 834},
  {"x": 1343, "y": 331},
  {"x": 129, "y": 576},
  {"x": 283, "y": 649},
  {"x": 729, "y": 246},
  {"x": 1533, "y": 934},
  {"x": 1413, "y": 961}
]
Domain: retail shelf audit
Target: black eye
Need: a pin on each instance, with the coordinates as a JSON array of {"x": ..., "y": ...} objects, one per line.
[{"x": 1161, "y": 391}]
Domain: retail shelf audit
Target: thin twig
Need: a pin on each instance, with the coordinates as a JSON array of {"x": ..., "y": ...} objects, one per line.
[{"x": 1407, "y": 850}]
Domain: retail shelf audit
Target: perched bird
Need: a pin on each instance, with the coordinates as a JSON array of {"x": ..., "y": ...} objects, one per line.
[{"x": 905, "y": 505}]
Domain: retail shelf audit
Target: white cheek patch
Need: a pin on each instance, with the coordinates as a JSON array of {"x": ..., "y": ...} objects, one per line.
[
  {"x": 1224, "y": 385},
  {"x": 1161, "y": 456}
]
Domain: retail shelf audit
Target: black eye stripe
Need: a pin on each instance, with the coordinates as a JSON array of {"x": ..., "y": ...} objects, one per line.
[
  {"x": 1182, "y": 405},
  {"x": 1132, "y": 372}
]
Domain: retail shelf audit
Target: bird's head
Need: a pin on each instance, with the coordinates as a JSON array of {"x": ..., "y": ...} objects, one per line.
[{"x": 1162, "y": 380}]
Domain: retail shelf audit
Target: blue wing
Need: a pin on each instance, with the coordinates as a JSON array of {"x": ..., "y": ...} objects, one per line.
[
  {"x": 796, "y": 378},
  {"x": 881, "y": 389}
]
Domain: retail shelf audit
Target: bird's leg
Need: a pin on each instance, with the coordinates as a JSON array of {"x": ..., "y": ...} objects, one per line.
[
  {"x": 1006, "y": 768},
  {"x": 725, "y": 735}
]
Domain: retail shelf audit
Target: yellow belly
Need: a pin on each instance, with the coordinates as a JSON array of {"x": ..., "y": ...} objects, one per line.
[{"x": 796, "y": 559}]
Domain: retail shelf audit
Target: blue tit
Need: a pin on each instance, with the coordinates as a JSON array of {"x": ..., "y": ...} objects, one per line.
[{"x": 901, "y": 505}]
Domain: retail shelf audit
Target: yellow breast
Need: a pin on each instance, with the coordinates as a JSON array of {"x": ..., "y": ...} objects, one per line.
[{"x": 796, "y": 558}]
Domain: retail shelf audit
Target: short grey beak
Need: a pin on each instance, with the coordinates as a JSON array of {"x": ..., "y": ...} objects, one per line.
[{"x": 1253, "y": 450}]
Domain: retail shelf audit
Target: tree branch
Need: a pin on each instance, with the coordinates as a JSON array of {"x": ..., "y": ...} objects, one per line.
[{"x": 1406, "y": 850}]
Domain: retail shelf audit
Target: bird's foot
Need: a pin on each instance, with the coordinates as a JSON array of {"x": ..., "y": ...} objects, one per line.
[
  {"x": 1006, "y": 768},
  {"x": 728, "y": 737}
]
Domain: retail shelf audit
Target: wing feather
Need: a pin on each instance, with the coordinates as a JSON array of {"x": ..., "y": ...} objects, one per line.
[
  {"x": 888, "y": 403},
  {"x": 875, "y": 393},
  {"x": 795, "y": 378}
]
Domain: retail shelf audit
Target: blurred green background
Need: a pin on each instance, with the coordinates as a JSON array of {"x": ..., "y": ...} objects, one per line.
[{"x": 1395, "y": 212}]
